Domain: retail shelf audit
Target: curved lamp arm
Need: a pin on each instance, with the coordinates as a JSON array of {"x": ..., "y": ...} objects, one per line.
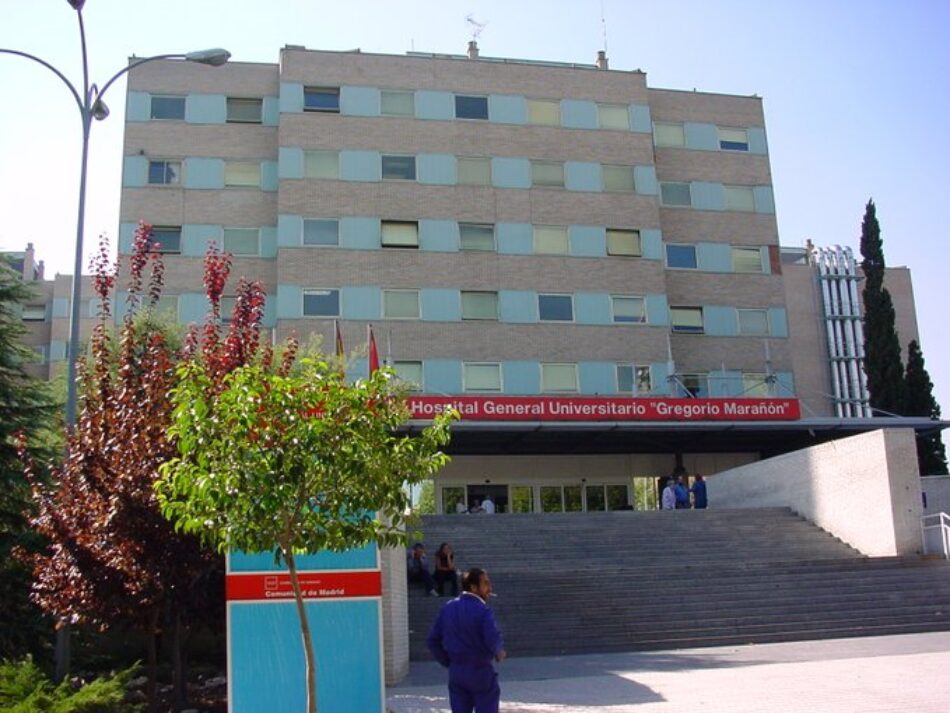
[
  {"x": 213, "y": 57},
  {"x": 51, "y": 68}
]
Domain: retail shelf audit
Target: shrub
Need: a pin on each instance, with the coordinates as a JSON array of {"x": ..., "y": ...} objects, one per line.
[{"x": 24, "y": 688}]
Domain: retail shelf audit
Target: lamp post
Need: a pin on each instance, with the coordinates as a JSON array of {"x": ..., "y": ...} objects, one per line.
[{"x": 91, "y": 106}]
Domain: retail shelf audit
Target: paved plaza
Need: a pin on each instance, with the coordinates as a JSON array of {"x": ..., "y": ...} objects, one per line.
[{"x": 906, "y": 673}]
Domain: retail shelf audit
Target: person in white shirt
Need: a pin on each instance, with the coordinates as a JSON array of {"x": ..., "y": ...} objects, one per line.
[
  {"x": 488, "y": 507},
  {"x": 668, "y": 501},
  {"x": 460, "y": 507}
]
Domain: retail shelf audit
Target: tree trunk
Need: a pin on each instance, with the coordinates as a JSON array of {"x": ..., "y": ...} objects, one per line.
[
  {"x": 151, "y": 645},
  {"x": 305, "y": 632},
  {"x": 62, "y": 653},
  {"x": 179, "y": 678}
]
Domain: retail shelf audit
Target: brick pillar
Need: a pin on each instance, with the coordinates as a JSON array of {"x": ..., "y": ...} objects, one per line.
[{"x": 395, "y": 614}]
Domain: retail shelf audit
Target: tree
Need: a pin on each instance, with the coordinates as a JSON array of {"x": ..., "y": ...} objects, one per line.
[
  {"x": 882, "y": 350},
  {"x": 426, "y": 503},
  {"x": 921, "y": 402},
  {"x": 295, "y": 463}
]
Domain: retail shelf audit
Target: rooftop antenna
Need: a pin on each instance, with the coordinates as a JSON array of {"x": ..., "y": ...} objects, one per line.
[
  {"x": 603, "y": 23},
  {"x": 476, "y": 26}
]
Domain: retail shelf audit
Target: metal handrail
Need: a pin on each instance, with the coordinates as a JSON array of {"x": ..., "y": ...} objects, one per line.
[{"x": 935, "y": 532}]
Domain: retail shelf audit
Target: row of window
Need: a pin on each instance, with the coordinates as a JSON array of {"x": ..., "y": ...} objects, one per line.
[
  {"x": 670, "y": 135},
  {"x": 237, "y": 174},
  {"x": 239, "y": 110}
]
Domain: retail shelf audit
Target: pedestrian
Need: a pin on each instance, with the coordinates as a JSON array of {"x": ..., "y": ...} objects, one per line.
[
  {"x": 466, "y": 640},
  {"x": 445, "y": 570},
  {"x": 476, "y": 507},
  {"x": 681, "y": 489},
  {"x": 668, "y": 499},
  {"x": 699, "y": 492},
  {"x": 488, "y": 505},
  {"x": 460, "y": 508},
  {"x": 417, "y": 568}
]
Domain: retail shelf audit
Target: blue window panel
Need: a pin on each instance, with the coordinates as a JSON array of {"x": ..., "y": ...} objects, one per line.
[
  {"x": 651, "y": 243},
  {"x": 681, "y": 257},
  {"x": 714, "y": 257},
  {"x": 359, "y": 101},
  {"x": 785, "y": 386},
  {"x": 361, "y": 302},
  {"x": 660, "y": 374},
  {"x": 704, "y": 137},
  {"x": 719, "y": 321},
  {"x": 587, "y": 240},
  {"x": 290, "y": 162},
  {"x": 270, "y": 111},
  {"x": 439, "y": 235},
  {"x": 766, "y": 262},
  {"x": 289, "y": 231},
  {"x": 757, "y": 141},
  {"x": 597, "y": 377},
  {"x": 138, "y": 106},
  {"x": 360, "y": 166},
  {"x": 764, "y": 201},
  {"x": 321, "y": 232},
  {"x": 511, "y": 172},
  {"x": 521, "y": 377},
  {"x": 134, "y": 171},
  {"x": 724, "y": 384},
  {"x": 60, "y": 307},
  {"x": 440, "y": 305},
  {"x": 517, "y": 306},
  {"x": 778, "y": 322},
  {"x": 57, "y": 350},
  {"x": 507, "y": 109},
  {"x": 592, "y": 308},
  {"x": 579, "y": 114},
  {"x": 435, "y": 105},
  {"x": 515, "y": 238},
  {"x": 360, "y": 233},
  {"x": 471, "y": 107},
  {"x": 357, "y": 369},
  {"x": 555, "y": 308},
  {"x": 442, "y": 376},
  {"x": 204, "y": 173},
  {"x": 195, "y": 238},
  {"x": 644, "y": 178},
  {"x": 436, "y": 169},
  {"x": 291, "y": 97},
  {"x": 582, "y": 176},
  {"x": 206, "y": 108},
  {"x": 193, "y": 307},
  {"x": 269, "y": 241},
  {"x": 269, "y": 179},
  {"x": 707, "y": 196},
  {"x": 658, "y": 310},
  {"x": 126, "y": 237},
  {"x": 289, "y": 302},
  {"x": 640, "y": 118},
  {"x": 269, "y": 319},
  {"x": 95, "y": 304}
]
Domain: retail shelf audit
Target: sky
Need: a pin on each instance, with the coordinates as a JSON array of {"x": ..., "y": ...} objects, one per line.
[{"x": 840, "y": 81}]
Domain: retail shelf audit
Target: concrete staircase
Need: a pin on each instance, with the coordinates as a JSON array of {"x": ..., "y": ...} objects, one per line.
[{"x": 624, "y": 581}]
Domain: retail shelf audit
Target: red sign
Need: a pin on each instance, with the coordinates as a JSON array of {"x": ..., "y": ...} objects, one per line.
[
  {"x": 598, "y": 408},
  {"x": 275, "y": 586}
]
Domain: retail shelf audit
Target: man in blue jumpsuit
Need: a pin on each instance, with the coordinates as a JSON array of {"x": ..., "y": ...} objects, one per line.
[{"x": 466, "y": 640}]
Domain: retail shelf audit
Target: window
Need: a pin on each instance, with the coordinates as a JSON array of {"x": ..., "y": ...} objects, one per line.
[
  {"x": 401, "y": 304},
  {"x": 481, "y": 377},
  {"x": 753, "y": 322},
  {"x": 746, "y": 260},
  {"x": 666, "y": 135},
  {"x": 733, "y": 139},
  {"x": 474, "y": 171},
  {"x": 613, "y": 116},
  {"x": 400, "y": 234},
  {"x": 547, "y": 173},
  {"x": 558, "y": 377},
  {"x": 164, "y": 173},
  {"x": 628, "y": 309},
  {"x": 477, "y": 237},
  {"x": 168, "y": 108},
  {"x": 34, "y": 313},
  {"x": 242, "y": 174},
  {"x": 686, "y": 320},
  {"x": 550, "y": 240},
  {"x": 242, "y": 241},
  {"x": 544, "y": 112},
  {"x": 623, "y": 242},
  {"x": 227, "y": 306},
  {"x": 556, "y": 308},
  {"x": 479, "y": 305},
  {"x": 168, "y": 238},
  {"x": 399, "y": 167},
  {"x": 244, "y": 111},
  {"x": 321, "y": 164},
  {"x": 694, "y": 385},
  {"x": 409, "y": 373},
  {"x": 739, "y": 198},
  {"x": 321, "y": 232},
  {"x": 634, "y": 379},
  {"x": 618, "y": 179},
  {"x": 469, "y": 107},
  {"x": 321, "y": 303},
  {"x": 755, "y": 385},
  {"x": 396, "y": 103},
  {"x": 681, "y": 256},
  {"x": 167, "y": 306},
  {"x": 322, "y": 99},
  {"x": 675, "y": 194}
]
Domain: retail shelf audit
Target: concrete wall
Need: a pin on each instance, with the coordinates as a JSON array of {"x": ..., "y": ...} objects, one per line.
[
  {"x": 395, "y": 614},
  {"x": 864, "y": 489},
  {"x": 937, "y": 488}
]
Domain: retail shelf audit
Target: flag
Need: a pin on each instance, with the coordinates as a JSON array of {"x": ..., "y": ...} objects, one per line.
[
  {"x": 373, "y": 353},
  {"x": 338, "y": 336}
]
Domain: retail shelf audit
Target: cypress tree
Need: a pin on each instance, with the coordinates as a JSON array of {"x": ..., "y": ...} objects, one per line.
[
  {"x": 882, "y": 350},
  {"x": 921, "y": 402}
]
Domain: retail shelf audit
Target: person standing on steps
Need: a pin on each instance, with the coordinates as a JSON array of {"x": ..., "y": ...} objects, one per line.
[
  {"x": 466, "y": 640},
  {"x": 699, "y": 492},
  {"x": 668, "y": 499},
  {"x": 681, "y": 491},
  {"x": 488, "y": 505}
]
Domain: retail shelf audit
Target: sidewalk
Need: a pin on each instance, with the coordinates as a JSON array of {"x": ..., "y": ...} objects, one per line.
[{"x": 907, "y": 673}]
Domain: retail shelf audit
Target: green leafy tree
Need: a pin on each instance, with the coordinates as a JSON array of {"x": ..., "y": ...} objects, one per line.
[
  {"x": 882, "y": 350},
  {"x": 426, "y": 502},
  {"x": 295, "y": 463},
  {"x": 931, "y": 455}
]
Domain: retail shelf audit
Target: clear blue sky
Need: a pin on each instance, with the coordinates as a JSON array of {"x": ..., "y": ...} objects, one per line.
[{"x": 855, "y": 91}]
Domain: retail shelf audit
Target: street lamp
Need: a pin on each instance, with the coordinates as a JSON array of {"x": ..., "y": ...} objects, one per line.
[{"x": 91, "y": 106}]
